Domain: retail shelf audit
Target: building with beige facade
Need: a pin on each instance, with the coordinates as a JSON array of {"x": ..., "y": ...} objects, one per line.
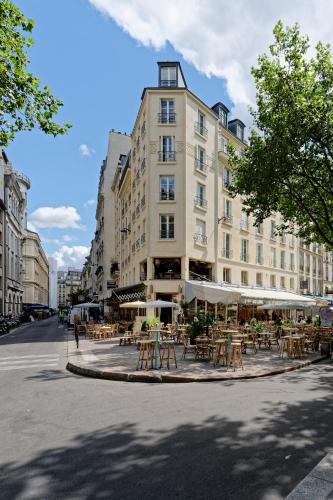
[
  {"x": 68, "y": 282},
  {"x": 35, "y": 271},
  {"x": 173, "y": 222}
]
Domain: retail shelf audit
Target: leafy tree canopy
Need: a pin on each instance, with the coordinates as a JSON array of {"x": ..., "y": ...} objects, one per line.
[
  {"x": 288, "y": 166},
  {"x": 23, "y": 103}
]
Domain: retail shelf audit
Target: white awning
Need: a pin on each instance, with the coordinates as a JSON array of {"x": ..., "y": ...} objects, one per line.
[
  {"x": 272, "y": 295},
  {"x": 212, "y": 292},
  {"x": 215, "y": 292}
]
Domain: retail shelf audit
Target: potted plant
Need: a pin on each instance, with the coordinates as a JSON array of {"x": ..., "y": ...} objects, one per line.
[{"x": 152, "y": 321}]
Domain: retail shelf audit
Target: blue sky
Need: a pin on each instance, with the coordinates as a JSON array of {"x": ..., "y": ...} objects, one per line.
[
  {"x": 98, "y": 55},
  {"x": 99, "y": 72}
]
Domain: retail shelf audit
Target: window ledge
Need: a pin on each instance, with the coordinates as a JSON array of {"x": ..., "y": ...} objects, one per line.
[
  {"x": 173, "y": 162},
  {"x": 166, "y": 239},
  {"x": 167, "y": 202},
  {"x": 200, "y": 135},
  {"x": 167, "y": 124},
  {"x": 202, "y": 209},
  {"x": 202, "y": 172}
]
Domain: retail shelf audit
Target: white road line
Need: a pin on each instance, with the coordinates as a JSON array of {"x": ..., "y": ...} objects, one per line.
[
  {"x": 23, "y": 367},
  {"x": 88, "y": 355},
  {"x": 32, "y": 356},
  {"x": 20, "y": 361},
  {"x": 317, "y": 484}
]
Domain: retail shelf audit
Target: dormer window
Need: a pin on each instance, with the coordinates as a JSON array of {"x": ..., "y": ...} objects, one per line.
[
  {"x": 237, "y": 127},
  {"x": 168, "y": 76},
  {"x": 222, "y": 117},
  {"x": 171, "y": 75},
  {"x": 240, "y": 132}
]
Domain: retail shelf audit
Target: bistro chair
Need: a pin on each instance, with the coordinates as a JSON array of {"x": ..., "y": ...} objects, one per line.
[
  {"x": 236, "y": 355},
  {"x": 188, "y": 348}
]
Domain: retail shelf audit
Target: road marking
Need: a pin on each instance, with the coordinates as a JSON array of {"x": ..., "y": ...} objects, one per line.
[
  {"x": 33, "y": 356},
  {"x": 317, "y": 484},
  {"x": 23, "y": 367},
  {"x": 88, "y": 355}
]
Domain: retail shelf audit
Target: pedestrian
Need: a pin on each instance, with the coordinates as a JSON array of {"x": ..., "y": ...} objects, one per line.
[
  {"x": 76, "y": 335},
  {"x": 61, "y": 316}
]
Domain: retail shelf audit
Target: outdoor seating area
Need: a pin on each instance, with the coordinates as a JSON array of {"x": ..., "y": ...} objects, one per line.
[{"x": 208, "y": 347}]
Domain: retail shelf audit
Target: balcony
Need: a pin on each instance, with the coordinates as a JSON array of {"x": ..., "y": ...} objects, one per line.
[
  {"x": 200, "y": 202},
  {"x": 244, "y": 225},
  {"x": 137, "y": 210},
  {"x": 200, "y": 238},
  {"x": 137, "y": 175},
  {"x": 226, "y": 219},
  {"x": 143, "y": 166},
  {"x": 168, "y": 83},
  {"x": 167, "y": 195},
  {"x": 167, "y": 156},
  {"x": 200, "y": 165},
  {"x": 143, "y": 129},
  {"x": 227, "y": 253},
  {"x": 143, "y": 238},
  {"x": 133, "y": 215},
  {"x": 201, "y": 130},
  {"x": 168, "y": 275},
  {"x": 259, "y": 260},
  {"x": 167, "y": 118},
  {"x": 133, "y": 247},
  {"x": 133, "y": 184},
  {"x": 143, "y": 202},
  {"x": 137, "y": 244}
]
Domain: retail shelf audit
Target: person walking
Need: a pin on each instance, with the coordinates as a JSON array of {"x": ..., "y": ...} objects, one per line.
[
  {"x": 76, "y": 335},
  {"x": 61, "y": 316}
]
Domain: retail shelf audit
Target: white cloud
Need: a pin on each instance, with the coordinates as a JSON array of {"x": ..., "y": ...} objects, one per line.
[
  {"x": 55, "y": 217},
  {"x": 89, "y": 202},
  {"x": 220, "y": 38},
  {"x": 31, "y": 227},
  {"x": 71, "y": 256},
  {"x": 52, "y": 241},
  {"x": 85, "y": 150},
  {"x": 67, "y": 238}
]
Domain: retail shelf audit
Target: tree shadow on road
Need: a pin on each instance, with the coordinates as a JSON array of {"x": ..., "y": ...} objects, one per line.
[{"x": 220, "y": 458}]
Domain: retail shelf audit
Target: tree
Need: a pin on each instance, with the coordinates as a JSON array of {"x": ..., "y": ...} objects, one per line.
[
  {"x": 79, "y": 296},
  {"x": 23, "y": 103},
  {"x": 288, "y": 166}
]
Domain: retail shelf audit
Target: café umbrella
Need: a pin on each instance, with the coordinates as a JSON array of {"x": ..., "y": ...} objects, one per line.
[
  {"x": 137, "y": 304},
  {"x": 158, "y": 304}
]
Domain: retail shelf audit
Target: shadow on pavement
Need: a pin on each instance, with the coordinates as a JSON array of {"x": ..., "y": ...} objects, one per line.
[
  {"x": 221, "y": 458},
  {"x": 47, "y": 375},
  {"x": 39, "y": 331}
]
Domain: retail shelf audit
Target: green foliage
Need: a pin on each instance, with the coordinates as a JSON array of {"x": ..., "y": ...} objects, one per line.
[
  {"x": 253, "y": 322},
  {"x": 184, "y": 305},
  {"x": 287, "y": 323},
  {"x": 79, "y": 297},
  {"x": 288, "y": 166},
  {"x": 259, "y": 327},
  {"x": 23, "y": 103},
  {"x": 200, "y": 325}
]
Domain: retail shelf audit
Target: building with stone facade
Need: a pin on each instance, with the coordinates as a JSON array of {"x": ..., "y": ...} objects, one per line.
[
  {"x": 68, "y": 282},
  {"x": 16, "y": 187},
  {"x": 103, "y": 254},
  {"x": 172, "y": 221},
  {"x": 35, "y": 271}
]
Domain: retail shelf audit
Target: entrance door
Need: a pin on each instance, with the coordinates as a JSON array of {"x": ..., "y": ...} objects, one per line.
[{"x": 166, "y": 313}]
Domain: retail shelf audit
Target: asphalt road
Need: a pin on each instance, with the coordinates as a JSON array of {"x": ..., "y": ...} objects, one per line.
[{"x": 67, "y": 437}]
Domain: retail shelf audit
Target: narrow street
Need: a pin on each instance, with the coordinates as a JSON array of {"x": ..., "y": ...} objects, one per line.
[{"x": 63, "y": 436}]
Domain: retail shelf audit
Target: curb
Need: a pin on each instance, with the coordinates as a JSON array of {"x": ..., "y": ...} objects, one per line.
[{"x": 151, "y": 377}]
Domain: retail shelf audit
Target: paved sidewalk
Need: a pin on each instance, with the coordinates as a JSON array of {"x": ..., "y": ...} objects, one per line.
[
  {"x": 317, "y": 484},
  {"x": 106, "y": 359}
]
